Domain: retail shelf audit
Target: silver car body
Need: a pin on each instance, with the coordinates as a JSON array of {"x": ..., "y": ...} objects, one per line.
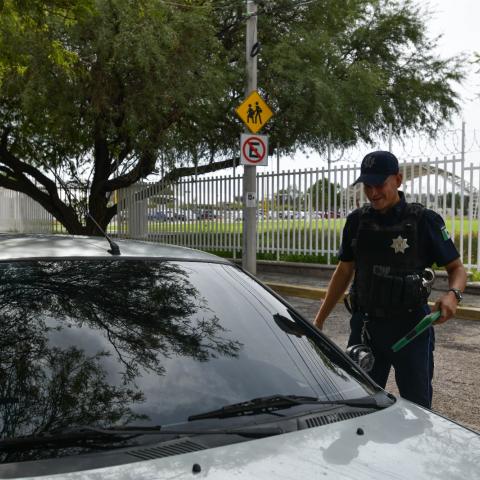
[{"x": 403, "y": 441}]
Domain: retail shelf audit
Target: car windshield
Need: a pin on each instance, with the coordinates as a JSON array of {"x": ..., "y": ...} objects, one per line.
[{"x": 118, "y": 342}]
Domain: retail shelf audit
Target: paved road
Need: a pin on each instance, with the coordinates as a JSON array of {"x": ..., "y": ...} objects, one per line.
[{"x": 457, "y": 352}]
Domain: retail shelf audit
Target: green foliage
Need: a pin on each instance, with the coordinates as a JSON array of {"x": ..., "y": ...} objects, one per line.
[
  {"x": 474, "y": 276},
  {"x": 104, "y": 93},
  {"x": 324, "y": 192},
  {"x": 92, "y": 96},
  {"x": 345, "y": 70}
]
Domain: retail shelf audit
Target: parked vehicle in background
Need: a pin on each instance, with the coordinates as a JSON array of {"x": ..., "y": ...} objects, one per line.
[
  {"x": 189, "y": 215},
  {"x": 158, "y": 216},
  {"x": 179, "y": 216},
  {"x": 206, "y": 215},
  {"x": 286, "y": 214},
  {"x": 327, "y": 214},
  {"x": 138, "y": 360},
  {"x": 167, "y": 216}
]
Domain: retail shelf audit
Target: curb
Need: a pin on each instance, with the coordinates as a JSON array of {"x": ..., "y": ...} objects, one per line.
[
  {"x": 313, "y": 293},
  {"x": 325, "y": 272}
]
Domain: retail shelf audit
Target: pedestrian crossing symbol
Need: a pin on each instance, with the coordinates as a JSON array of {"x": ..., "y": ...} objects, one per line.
[{"x": 254, "y": 112}]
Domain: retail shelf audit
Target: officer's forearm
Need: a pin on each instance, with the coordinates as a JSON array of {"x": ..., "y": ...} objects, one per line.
[
  {"x": 447, "y": 303},
  {"x": 457, "y": 276},
  {"x": 336, "y": 288}
]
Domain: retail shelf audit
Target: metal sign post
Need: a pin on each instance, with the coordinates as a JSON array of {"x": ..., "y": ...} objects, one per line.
[{"x": 249, "y": 250}]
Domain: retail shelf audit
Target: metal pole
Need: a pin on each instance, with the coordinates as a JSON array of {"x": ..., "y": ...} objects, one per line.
[
  {"x": 329, "y": 150},
  {"x": 390, "y": 134},
  {"x": 462, "y": 191},
  {"x": 249, "y": 253},
  {"x": 277, "y": 203}
]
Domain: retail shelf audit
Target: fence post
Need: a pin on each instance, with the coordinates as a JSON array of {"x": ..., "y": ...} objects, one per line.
[
  {"x": 136, "y": 214},
  {"x": 462, "y": 190},
  {"x": 277, "y": 206}
]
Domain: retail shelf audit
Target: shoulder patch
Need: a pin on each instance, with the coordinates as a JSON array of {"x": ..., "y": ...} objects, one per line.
[{"x": 445, "y": 234}]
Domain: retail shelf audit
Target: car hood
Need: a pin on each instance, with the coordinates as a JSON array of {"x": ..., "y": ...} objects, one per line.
[{"x": 403, "y": 441}]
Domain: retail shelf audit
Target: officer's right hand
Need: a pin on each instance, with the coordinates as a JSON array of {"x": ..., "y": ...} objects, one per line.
[{"x": 447, "y": 305}]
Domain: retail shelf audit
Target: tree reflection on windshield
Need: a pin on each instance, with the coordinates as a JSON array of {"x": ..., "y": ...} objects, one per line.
[{"x": 143, "y": 311}]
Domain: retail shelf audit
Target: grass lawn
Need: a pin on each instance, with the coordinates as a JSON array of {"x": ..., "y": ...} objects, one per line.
[
  {"x": 455, "y": 226},
  {"x": 299, "y": 236},
  {"x": 264, "y": 226}
]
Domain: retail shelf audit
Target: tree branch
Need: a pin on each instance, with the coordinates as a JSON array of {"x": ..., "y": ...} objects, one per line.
[
  {"x": 126, "y": 180},
  {"x": 15, "y": 179},
  {"x": 19, "y": 168},
  {"x": 210, "y": 167},
  {"x": 142, "y": 169}
]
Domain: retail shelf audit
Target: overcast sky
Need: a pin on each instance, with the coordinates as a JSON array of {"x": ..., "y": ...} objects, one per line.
[{"x": 458, "y": 22}]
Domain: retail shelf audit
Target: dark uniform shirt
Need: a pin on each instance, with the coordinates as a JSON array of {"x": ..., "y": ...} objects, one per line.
[
  {"x": 414, "y": 363},
  {"x": 435, "y": 246}
]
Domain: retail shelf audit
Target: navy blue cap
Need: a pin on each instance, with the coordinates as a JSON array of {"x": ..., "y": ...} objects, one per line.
[{"x": 376, "y": 167}]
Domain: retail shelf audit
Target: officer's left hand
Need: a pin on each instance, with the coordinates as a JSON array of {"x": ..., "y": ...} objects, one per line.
[{"x": 447, "y": 304}]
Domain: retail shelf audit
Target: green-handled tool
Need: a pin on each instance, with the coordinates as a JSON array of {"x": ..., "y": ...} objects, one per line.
[{"x": 424, "y": 323}]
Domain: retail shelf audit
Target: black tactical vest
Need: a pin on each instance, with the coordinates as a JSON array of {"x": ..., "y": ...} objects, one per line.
[{"x": 388, "y": 264}]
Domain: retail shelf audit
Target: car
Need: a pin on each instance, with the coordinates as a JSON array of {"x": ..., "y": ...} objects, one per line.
[
  {"x": 126, "y": 359},
  {"x": 189, "y": 215},
  {"x": 237, "y": 215},
  {"x": 206, "y": 215},
  {"x": 157, "y": 216},
  {"x": 167, "y": 216},
  {"x": 331, "y": 214},
  {"x": 173, "y": 216},
  {"x": 287, "y": 214}
]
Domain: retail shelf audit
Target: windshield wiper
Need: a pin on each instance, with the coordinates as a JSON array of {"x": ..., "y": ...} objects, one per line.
[
  {"x": 278, "y": 402},
  {"x": 89, "y": 435}
]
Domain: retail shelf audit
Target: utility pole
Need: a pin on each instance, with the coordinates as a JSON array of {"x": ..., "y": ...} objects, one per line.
[{"x": 249, "y": 251}]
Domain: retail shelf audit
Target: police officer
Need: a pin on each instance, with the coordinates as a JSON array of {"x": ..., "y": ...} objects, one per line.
[{"x": 387, "y": 247}]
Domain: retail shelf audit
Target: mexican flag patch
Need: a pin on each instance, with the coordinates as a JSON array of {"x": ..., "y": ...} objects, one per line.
[{"x": 445, "y": 234}]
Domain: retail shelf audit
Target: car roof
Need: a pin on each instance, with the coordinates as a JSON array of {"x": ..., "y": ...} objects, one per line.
[{"x": 15, "y": 246}]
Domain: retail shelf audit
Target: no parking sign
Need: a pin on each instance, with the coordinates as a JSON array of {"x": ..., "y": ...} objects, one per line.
[{"x": 253, "y": 150}]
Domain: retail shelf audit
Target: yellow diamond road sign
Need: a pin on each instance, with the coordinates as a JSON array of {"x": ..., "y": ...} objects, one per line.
[{"x": 254, "y": 112}]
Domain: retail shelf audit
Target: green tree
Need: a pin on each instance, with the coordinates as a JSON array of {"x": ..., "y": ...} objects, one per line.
[
  {"x": 103, "y": 93},
  {"x": 456, "y": 201},
  {"x": 322, "y": 195},
  {"x": 287, "y": 196},
  {"x": 92, "y": 97}
]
